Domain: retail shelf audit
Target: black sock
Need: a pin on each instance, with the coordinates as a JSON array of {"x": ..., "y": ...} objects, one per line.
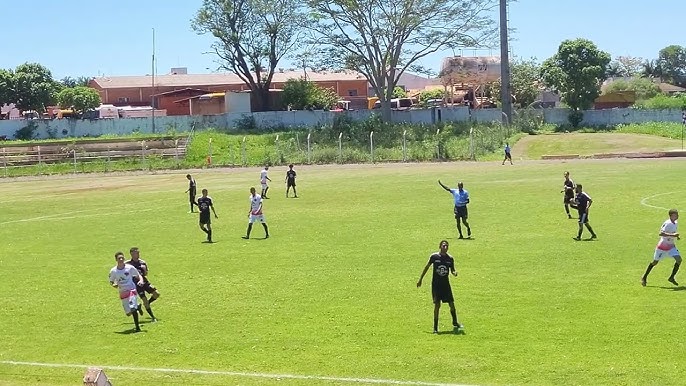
[
  {"x": 590, "y": 230},
  {"x": 135, "y": 320},
  {"x": 567, "y": 209},
  {"x": 675, "y": 269},
  {"x": 581, "y": 230},
  {"x": 266, "y": 230},
  {"x": 247, "y": 234},
  {"x": 435, "y": 324},
  {"x": 650, "y": 268},
  {"x": 469, "y": 231},
  {"x": 151, "y": 300},
  {"x": 459, "y": 229},
  {"x": 209, "y": 234},
  {"x": 453, "y": 313},
  {"x": 149, "y": 310},
  {"x": 204, "y": 230}
]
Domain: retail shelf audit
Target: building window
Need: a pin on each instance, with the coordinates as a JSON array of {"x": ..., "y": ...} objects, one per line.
[
  {"x": 123, "y": 99},
  {"x": 352, "y": 92}
]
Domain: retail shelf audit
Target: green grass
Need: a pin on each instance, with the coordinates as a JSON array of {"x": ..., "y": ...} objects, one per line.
[
  {"x": 663, "y": 129},
  {"x": 332, "y": 292},
  {"x": 585, "y": 144}
]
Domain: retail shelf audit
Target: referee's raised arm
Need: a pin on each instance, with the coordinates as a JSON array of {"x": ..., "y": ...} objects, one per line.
[{"x": 443, "y": 186}]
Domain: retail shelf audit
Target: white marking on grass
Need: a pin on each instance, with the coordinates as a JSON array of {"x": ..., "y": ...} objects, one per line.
[
  {"x": 644, "y": 200},
  {"x": 235, "y": 374}
]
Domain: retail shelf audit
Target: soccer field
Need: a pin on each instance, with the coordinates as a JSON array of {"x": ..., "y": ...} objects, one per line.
[{"x": 330, "y": 298}]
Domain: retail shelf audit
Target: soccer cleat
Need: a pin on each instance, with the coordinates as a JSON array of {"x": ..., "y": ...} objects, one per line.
[
  {"x": 461, "y": 237},
  {"x": 569, "y": 216},
  {"x": 154, "y": 320},
  {"x": 457, "y": 325},
  {"x": 435, "y": 331},
  {"x": 138, "y": 329},
  {"x": 245, "y": 237},
  {"x": 577, "y": 238},
  {"x": 266, "y": 236},
  {"x": 644, "y": 282},
  {"x": 671, "y": 280},
  {"x": 594, "y": 236}
]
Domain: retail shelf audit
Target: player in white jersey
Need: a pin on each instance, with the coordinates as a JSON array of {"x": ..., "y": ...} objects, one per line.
[
  {"x": 666, "y": 247},
  {"x": 122, "y": 278},
  {"x": 255, "y": 214},
  {"x": 263, "y": 180}
]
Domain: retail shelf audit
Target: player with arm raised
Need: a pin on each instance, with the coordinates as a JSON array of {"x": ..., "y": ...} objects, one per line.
[{"x": 461, "y": 199}]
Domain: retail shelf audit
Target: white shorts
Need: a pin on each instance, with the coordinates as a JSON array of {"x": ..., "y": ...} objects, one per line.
[
  {"x": 663, "y": 254},
  {"x": 256, "y": 218},
  {"x": 264, "y": 186},
  {"x": 129, "y": 300}
]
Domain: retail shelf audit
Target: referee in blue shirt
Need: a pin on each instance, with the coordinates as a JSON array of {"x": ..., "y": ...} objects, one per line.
[{"x": 461, "y": 198}]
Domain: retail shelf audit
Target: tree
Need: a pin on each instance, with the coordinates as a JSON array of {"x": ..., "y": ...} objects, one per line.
[
  {"x": 625, "y": 67},
  {"x": 672, "y": 61},
  {"x": 301, "y": 94},
  {"x": 576, "y": 71},
  {"x": 383, "y": 39},
  {"x": 643, "y": 87},
  {"x": 74, "y": 82},
  {"x": 6, "y": 87},
  {"x": 34, "y": 87},
  {"x": 252, "y": 37},
  {"x": 525, "y": 82},
  {"x": 79, "y": 98},
  {"x": 652, "y": 69}
]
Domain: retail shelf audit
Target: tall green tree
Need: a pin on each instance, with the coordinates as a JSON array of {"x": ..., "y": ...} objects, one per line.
[
  {"x": 252, "y": 36},
  {"x": 525, "y": 82},
  {"x": 301, "y": 94},
  {"x": 34, "y": 87},
  {"x": 672, "y": 61},
  {"x": 576, "y": 71},
  {"x": 6, "y": 87},
  {"x": 68, "y": 81},
  {"x": 79, "y": 98},
  {"x": 383, "y": 39}
]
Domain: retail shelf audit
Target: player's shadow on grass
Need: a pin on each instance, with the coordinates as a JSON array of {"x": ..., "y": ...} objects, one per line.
[
  {"x": 452, "y": 332},
  {"x": 209, "y": 242},
  {"x": 679, "y": 288},
  {"x": 128, "y": 332}
]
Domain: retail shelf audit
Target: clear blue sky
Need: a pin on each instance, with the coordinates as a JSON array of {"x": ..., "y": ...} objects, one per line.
[{"x": 88, "y": 38}]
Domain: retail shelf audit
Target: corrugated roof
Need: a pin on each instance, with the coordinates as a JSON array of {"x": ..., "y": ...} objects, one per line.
[
  {"x": 181, "y": 91},
  {"x": 189, "y": 80}
]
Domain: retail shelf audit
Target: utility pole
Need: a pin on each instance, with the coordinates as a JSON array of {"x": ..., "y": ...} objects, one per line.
[
  {"x": 152, "y": 102},
  {"x": 505, "y": 91}
]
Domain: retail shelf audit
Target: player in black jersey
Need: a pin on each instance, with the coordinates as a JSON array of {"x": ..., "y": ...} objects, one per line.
[
  {"x": 205, "y": 204},
  {"x": 191, "y": 190},
  {"x": 583, "y": 204},
  {"x": 142, "y": 268},
  {"x": 290, "y": 180},
  {"x": 568, "y": 190},
  {"x": 443, "y": 264}
]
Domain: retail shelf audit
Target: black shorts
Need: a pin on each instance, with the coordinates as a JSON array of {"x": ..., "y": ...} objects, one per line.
[
  {"x": 568, "y": 200},
  {"x": 441, "y": 292},
  {"x": 290, "y": 183},
  {"x": 205, "y": 218},
  {"x": 460, "y": 212},
  {"x": 583, "y": 217},
  {"x": 146, "y": 287},
  {"x": 508, "y": 156}
]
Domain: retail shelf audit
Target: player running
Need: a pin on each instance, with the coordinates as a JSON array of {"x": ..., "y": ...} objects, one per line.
[
  {"x": 443, "y": 264},
  {"x": 568, "y": 190},
  {"x": 263, "y": 180},
  {"x": 583, "y": 204},
  {"x": 290, "y": 180},
  {"x": 666, "y": 247},
  {"x": 142, "y": 268},
  {"x": 191, "y": 191},
  {"x": 205, "y": 204},
  {"x": 255, "y": 214},
  {"x": 122, "y": 278}
]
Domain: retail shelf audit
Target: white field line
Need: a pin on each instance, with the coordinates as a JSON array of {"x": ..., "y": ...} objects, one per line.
[
  {"x": 77, "y": 213},
  {"x": 234, "y": 374},
  {"x": 644, "y": 200}
]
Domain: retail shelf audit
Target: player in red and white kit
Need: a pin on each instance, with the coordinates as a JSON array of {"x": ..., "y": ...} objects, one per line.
[
  {"x": 255, "y": 214},
  {"x": 263, "y": 180},
  {"x": 666, "y": 247},
  {"x": 122, "y": 278}
]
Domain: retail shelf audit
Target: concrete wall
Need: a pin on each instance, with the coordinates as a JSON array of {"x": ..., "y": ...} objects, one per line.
[{"x": 81, "y": 128}]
